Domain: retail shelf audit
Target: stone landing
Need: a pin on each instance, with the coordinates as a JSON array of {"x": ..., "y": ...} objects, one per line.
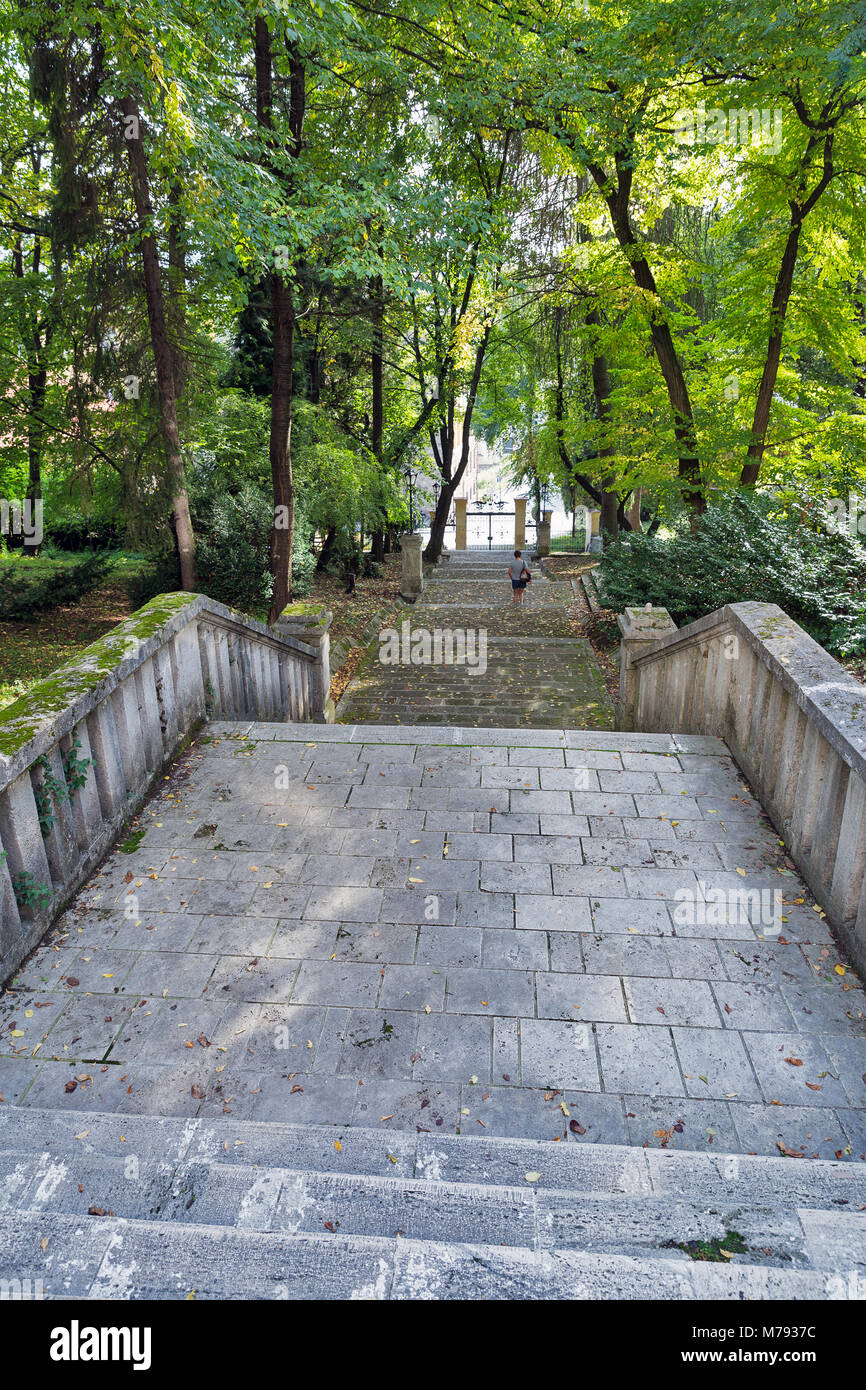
[{"x": 460, "y": 931}]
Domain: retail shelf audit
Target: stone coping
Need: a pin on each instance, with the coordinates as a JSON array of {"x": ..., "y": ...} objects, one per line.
[
  {"x": 52, "y": 707},
  {"x": 450, "y": 735},
  {"x": 830, "y": 698}
]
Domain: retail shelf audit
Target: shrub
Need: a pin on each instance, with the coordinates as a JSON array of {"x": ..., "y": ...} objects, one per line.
[
  {"x": 75, "y": 532},
  {"x": 747, "y": 548},
  {"x": 160, "y": 576},
  {"x": 25, "y": 590},
  {"x": 233, "y": 531}
]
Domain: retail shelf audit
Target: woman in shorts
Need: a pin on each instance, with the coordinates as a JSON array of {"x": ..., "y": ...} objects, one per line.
[{"x": 519, "y": 575}]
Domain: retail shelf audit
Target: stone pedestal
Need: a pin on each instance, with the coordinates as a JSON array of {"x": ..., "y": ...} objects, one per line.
[
  {"x": 639, "y": 629},
  {"x": 309, "y": 623},
  {"x": 460, "y": 513},
  {"x": 519, "y": 523},
  {"x": 593, "y": 539},
  {"x": 542, "y": 546},
  {"x": 412, "y": 582}
]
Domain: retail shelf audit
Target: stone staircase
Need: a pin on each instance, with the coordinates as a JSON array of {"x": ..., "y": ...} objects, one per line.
[
  {"x": 535, "y": 674},
  {"x": 127, "y": 1207},
  {"x": 250, "y": 1061}
]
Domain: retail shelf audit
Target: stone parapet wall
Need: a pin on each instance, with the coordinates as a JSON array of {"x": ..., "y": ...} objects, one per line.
[
  {"x": 79, "y": 752},
  {"x": 795, "y": 721}
]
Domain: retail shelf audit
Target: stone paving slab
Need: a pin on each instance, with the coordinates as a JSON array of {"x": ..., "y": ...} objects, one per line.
[{"x": 285, "y": 953}]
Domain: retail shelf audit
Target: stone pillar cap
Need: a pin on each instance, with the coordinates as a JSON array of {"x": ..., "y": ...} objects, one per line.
[
  {"x": 647, "y": 622},
  {"x": 305, "y": 619}
]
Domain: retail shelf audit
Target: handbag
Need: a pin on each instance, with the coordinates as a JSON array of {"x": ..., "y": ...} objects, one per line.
[{"x": 528, "y": 575}]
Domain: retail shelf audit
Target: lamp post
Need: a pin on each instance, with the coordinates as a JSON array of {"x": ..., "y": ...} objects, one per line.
[{"x": 411, "y": 478}]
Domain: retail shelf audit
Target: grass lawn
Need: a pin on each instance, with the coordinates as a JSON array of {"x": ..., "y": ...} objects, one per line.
[{"x": 30, "y": 649}]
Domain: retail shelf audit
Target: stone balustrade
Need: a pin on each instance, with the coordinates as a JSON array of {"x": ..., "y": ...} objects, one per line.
[
  {"x": 79, "y": 752},
  {"x": 793, "y": 718}
]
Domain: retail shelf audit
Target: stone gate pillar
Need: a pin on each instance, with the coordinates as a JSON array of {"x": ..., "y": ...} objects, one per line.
[
  {"x": 593, "y": 539},
  {"x": 460, "y": 512},
  {"x": 413, "y": 573},
  {"x": 543, "y": 543},
  {"x": 519, "y": 523}
]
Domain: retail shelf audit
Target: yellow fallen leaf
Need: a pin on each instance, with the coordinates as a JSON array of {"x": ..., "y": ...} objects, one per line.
[
  {"x": 532, "y": 1177},
  {"x": 338, "y": 1146},
  {"x": 840, "y": 970}
]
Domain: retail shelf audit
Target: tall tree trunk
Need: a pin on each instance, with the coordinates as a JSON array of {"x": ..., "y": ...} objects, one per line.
[
  {"x": 177, "y": 287},
  {"x": 633, "y": 512},
  {"x": 601, "y": 392},
  {"x": 450, "y": 483},
  {"x": 617, "y": 196},
  {"x": 799, "y": 210},
  {"x": 761, "y": 418},
  {"x": 377, "y": 383},
  {"x": 162, "y": 352},
  {"x": 282, "y": 325},
  {"x": 37, "y": 384}
]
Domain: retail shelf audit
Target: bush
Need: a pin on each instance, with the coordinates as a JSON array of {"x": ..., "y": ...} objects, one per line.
[
  {"x": 747, "y": 548},
  {"x": 160, "y": 576},
  {"x": 233, "y": 531},
  {"x": 77, "y": 532},
  {"x": 28, "y": 587}
]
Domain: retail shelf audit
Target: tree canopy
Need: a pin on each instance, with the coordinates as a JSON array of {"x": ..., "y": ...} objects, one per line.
[{"x": 300, "y": 247}]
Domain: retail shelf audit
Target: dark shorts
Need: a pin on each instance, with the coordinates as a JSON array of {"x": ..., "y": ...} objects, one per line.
[{"x": 518, "y": 583}]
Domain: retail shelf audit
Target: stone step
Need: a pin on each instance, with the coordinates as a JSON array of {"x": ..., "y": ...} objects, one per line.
[
  {"x": 104, "y": 1205},
  {"x": 163, "y": 1145},
  {"x": 294, "y": 1201},
  {"x": 111, "y": 1258}
]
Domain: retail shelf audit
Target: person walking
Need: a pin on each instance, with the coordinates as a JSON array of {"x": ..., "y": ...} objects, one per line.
[{"x": 519, "y": 576}]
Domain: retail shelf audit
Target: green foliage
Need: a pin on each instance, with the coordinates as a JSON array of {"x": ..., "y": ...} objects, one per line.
[
  {"x": 74, "y": 767},
  {"x": 76, "y": 531},
  {"x": 29, "y": 892},
  {"x": 158, "y": 576},
  {"x": 234, "y": 533},
  {"x": 29, "y": 586},
  {"x": 748, "y": 548},
  {"x": 49, "y": 790}
]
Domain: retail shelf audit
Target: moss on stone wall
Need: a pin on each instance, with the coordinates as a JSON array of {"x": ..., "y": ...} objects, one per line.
[{"x": 22, "y": 720}]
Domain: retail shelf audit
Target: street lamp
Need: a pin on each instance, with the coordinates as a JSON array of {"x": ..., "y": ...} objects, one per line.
[{"x": 411, "y": 478}]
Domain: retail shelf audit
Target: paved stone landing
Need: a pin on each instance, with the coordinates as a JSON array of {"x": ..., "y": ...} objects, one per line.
[
  {"x": 536, "y": 673},
  {"x": 467, "y": 931}
]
